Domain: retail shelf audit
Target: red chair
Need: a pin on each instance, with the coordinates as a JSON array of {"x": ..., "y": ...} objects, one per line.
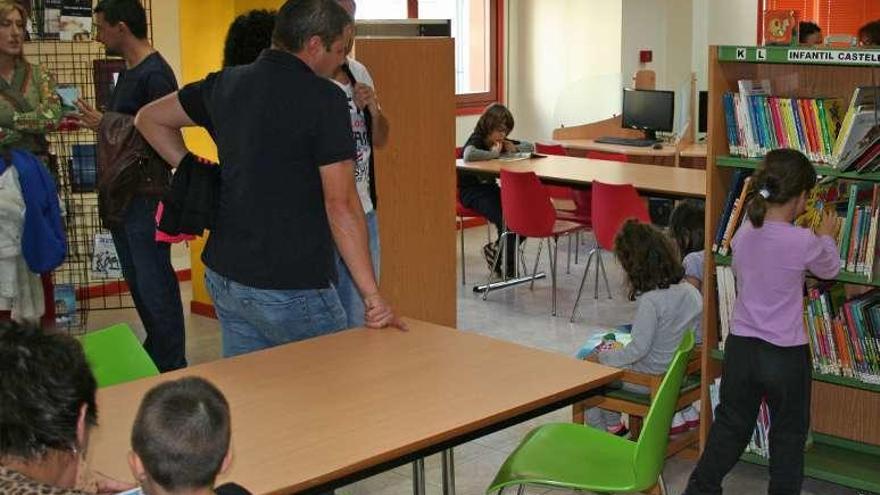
[
  {"x": 462, "y": 212},
  {"x": 528, "y": 212},
  {"x": 562, "y": 197},
  {"x": 604, "y": 155},
  {"x": 613, "y": 204},
  {"x": 583, "y": 200}
]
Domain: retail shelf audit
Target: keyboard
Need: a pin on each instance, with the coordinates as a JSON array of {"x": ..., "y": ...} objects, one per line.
[{"x": 642, "y": 143}]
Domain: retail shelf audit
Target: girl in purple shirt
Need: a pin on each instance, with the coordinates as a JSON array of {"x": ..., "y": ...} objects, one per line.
[{"x": 766, "y": 354}]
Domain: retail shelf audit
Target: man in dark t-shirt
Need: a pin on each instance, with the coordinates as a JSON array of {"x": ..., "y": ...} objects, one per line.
[
  {"x": 146, "y": 264},
  {"x": 287, "y": 193}
]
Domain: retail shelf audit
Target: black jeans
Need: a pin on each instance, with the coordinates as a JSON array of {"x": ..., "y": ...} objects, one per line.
[
  {"x": 754, "y": 369},
  {"x": 486, "y": 199}
]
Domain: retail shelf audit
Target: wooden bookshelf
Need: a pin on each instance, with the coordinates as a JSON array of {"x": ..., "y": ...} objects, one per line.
[{"x": 847, "y": 434}]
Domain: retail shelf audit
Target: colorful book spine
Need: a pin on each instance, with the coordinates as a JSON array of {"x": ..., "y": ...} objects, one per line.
[
  {"x": 842, "y": 336},
  {"x": 757, "y": 123}
]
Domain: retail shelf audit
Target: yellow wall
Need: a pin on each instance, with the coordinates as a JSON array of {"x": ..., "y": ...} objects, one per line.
[
  {"x": 202, "y": 27},
  {"x": 245, "y": 5}
]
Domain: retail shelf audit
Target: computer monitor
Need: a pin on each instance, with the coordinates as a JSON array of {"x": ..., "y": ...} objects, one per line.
[
  {"x": 648, "y": 110},
  {"x": 703, "y": 116}
]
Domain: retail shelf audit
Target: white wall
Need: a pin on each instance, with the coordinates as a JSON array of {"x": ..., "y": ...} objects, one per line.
[
  {"x": 464, "y": 126},
  {"x": 728, "y": 22},
  {"x": 644, "y": 27},
  {"x": 563, "y": 63}
]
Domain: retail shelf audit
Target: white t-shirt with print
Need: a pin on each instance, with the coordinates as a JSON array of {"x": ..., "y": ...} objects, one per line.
[{"x": 359, "y": 128}]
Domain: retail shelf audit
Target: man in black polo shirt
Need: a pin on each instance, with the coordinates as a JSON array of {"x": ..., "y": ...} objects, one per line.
[
  {"x": 284, "y": 139},
  {"x": 146, "y": 264}
]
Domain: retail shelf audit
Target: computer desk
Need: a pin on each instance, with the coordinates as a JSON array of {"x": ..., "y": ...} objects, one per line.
[
  {"x": 693, "y": 155},
  {"x": 637, "y": 154},
  {"x": 322, "y": 413}
]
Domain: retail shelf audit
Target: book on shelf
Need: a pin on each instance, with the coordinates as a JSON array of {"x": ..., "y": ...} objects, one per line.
[
  {"x": 843, "y": 334},
  {"x": 739, "y": 177},
  {"x": 736, "y": 216},
  {"x": 758, "y": 122},
  {"x": 726, "y": 285},
  {"x": 75, "y": 21},
  {"x": 50, "y": 19},
  {"x": 759, "y": 442},
  {"x": 862, "y": 155},
  {"x": 857, "y": 237},
  {"x": 65, "y": 304},
  {"x": 857, "y": 205},
  {"x": 860, "y": 118}
]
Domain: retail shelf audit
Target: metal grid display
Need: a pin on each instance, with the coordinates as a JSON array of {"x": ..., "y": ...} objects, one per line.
[{"x": 73, "y": 63}]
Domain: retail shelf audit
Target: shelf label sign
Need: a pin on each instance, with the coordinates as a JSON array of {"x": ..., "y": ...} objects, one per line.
[
  {"x": 741, "y": 54},
  {"x": 866, "y": 57},
  {"x": 761, "y": 54}
]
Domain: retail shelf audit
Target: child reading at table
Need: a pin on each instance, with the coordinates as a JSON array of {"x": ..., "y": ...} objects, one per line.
[
  {"x": 489, "y": 141},
  {"x": 667, "y": 307}
]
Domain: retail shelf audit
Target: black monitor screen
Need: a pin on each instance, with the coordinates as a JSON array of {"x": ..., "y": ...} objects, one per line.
[
  {"x": 703, "y": 116},
  {"x": 648, "y": 110}
]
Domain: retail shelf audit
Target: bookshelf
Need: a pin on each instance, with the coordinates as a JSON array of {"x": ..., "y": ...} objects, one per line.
[{"x": 846, "y": 446}]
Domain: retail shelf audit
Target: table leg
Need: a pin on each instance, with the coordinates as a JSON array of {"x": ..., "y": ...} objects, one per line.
[
  {"x": 448, "y": 470},
  {"x": 418, "y": 477}
]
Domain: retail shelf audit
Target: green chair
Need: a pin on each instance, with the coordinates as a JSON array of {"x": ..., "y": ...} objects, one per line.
[
  {"x": 116, "y": 356},
  {"x": 578, "y": 457}
]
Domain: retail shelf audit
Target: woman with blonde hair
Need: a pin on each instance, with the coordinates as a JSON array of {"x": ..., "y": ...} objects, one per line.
[{"x": 29, "y": 107}]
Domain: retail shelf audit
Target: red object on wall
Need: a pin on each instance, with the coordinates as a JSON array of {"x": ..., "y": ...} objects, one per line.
[{"x": 645, "y": 56}]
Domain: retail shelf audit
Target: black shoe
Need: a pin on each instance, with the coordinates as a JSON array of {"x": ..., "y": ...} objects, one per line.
[{"x": 490, "y": 251}]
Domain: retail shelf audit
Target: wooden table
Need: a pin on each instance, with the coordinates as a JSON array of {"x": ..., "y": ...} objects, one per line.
[
  {"x": 694, "y": 150},
  {"x": 655, "y": 180},
  {"x": 693, "y": 155},
  {"x": 326, "y": 412}
]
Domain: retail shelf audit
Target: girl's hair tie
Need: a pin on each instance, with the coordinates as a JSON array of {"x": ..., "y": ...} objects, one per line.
[{"x": 764, "y": 192}]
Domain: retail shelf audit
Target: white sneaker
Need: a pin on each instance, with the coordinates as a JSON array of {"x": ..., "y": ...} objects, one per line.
[
  {"x": 678, "y": 424},
  {"x": 691, "y": 417}
]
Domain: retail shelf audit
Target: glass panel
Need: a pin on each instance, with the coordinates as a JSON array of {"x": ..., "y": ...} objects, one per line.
[
  {"x": 470, "y": 28},
  {"x": 380, "y": 9}
]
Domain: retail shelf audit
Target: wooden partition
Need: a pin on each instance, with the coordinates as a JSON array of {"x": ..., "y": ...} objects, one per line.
[
  {"x": 593, "y": 130},
  {"x": 415, "y": 173}
]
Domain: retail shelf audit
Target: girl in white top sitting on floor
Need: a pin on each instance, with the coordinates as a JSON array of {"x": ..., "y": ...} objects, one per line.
[{"x": 667, "y": 308}]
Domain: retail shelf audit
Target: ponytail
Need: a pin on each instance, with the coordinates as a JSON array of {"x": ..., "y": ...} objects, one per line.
[
  {"x": 756, "y": 210},
  {"x": 784, "y": 174}
]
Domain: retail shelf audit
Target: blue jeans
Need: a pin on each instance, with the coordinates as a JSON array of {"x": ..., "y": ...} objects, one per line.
[
  {"x": 347, "y": 290},
  {"x": 146, "y": 266},
  {"x": 252, "y": 319}
]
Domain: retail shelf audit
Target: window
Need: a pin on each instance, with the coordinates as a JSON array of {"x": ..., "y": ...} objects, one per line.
[
  {"x": 477, "y": 31},
  {"x": 833, "y": 16}
]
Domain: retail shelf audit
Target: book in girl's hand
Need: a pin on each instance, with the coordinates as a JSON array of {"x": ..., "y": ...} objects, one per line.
[{"x": 606, "y": 341}]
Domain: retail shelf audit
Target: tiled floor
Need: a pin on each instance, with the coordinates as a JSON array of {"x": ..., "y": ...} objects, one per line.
[{"x": 518, "y": 315}]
